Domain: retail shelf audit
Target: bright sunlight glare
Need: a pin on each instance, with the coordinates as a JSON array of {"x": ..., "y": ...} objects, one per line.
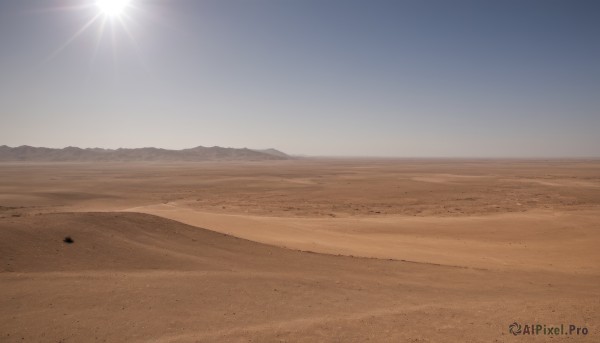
[{"x": 112, "y": 7}]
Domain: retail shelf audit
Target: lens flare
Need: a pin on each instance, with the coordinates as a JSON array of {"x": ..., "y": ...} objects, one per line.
[{"x": 112, "y": 7}]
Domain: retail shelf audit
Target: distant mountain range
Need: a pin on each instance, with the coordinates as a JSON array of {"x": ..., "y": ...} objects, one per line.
[{"x": 74, "y": 154}]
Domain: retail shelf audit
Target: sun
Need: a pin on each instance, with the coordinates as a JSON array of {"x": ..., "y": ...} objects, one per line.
[
  {"x": 112, "y": 8},
  {"x": 114, "y": 14}
]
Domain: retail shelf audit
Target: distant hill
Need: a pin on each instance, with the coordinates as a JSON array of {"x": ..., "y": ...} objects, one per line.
[
  {"x": 274, "y": 152},
  {"x": 74, "y": 154}
]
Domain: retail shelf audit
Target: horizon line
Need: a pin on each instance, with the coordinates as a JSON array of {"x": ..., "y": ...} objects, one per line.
[{"x": 341, "y": 156}]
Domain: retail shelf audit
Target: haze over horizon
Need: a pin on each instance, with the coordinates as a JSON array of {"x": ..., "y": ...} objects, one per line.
[{"x": 337, "y": 78}]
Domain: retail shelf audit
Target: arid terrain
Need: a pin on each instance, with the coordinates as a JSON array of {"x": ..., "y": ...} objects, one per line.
[{"x": 309, "y": 250}]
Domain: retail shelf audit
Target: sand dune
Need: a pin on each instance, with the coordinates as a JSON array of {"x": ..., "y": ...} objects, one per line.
[
  {"x": 139, "y": 278},
  {"x": 538, "y": 240}
]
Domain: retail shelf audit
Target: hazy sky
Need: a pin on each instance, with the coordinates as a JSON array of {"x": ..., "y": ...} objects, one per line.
[{"x": 325, "y": 77}]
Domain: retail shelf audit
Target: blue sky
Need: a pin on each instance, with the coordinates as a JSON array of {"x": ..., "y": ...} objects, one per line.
[{"x": 415, "y": 78}]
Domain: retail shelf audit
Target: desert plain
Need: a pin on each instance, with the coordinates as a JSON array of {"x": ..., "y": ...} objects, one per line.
[{"x": 308, "y": 250}]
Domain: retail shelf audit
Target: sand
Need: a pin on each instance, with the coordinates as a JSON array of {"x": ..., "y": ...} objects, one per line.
[{"x": 298, "y": 251}]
